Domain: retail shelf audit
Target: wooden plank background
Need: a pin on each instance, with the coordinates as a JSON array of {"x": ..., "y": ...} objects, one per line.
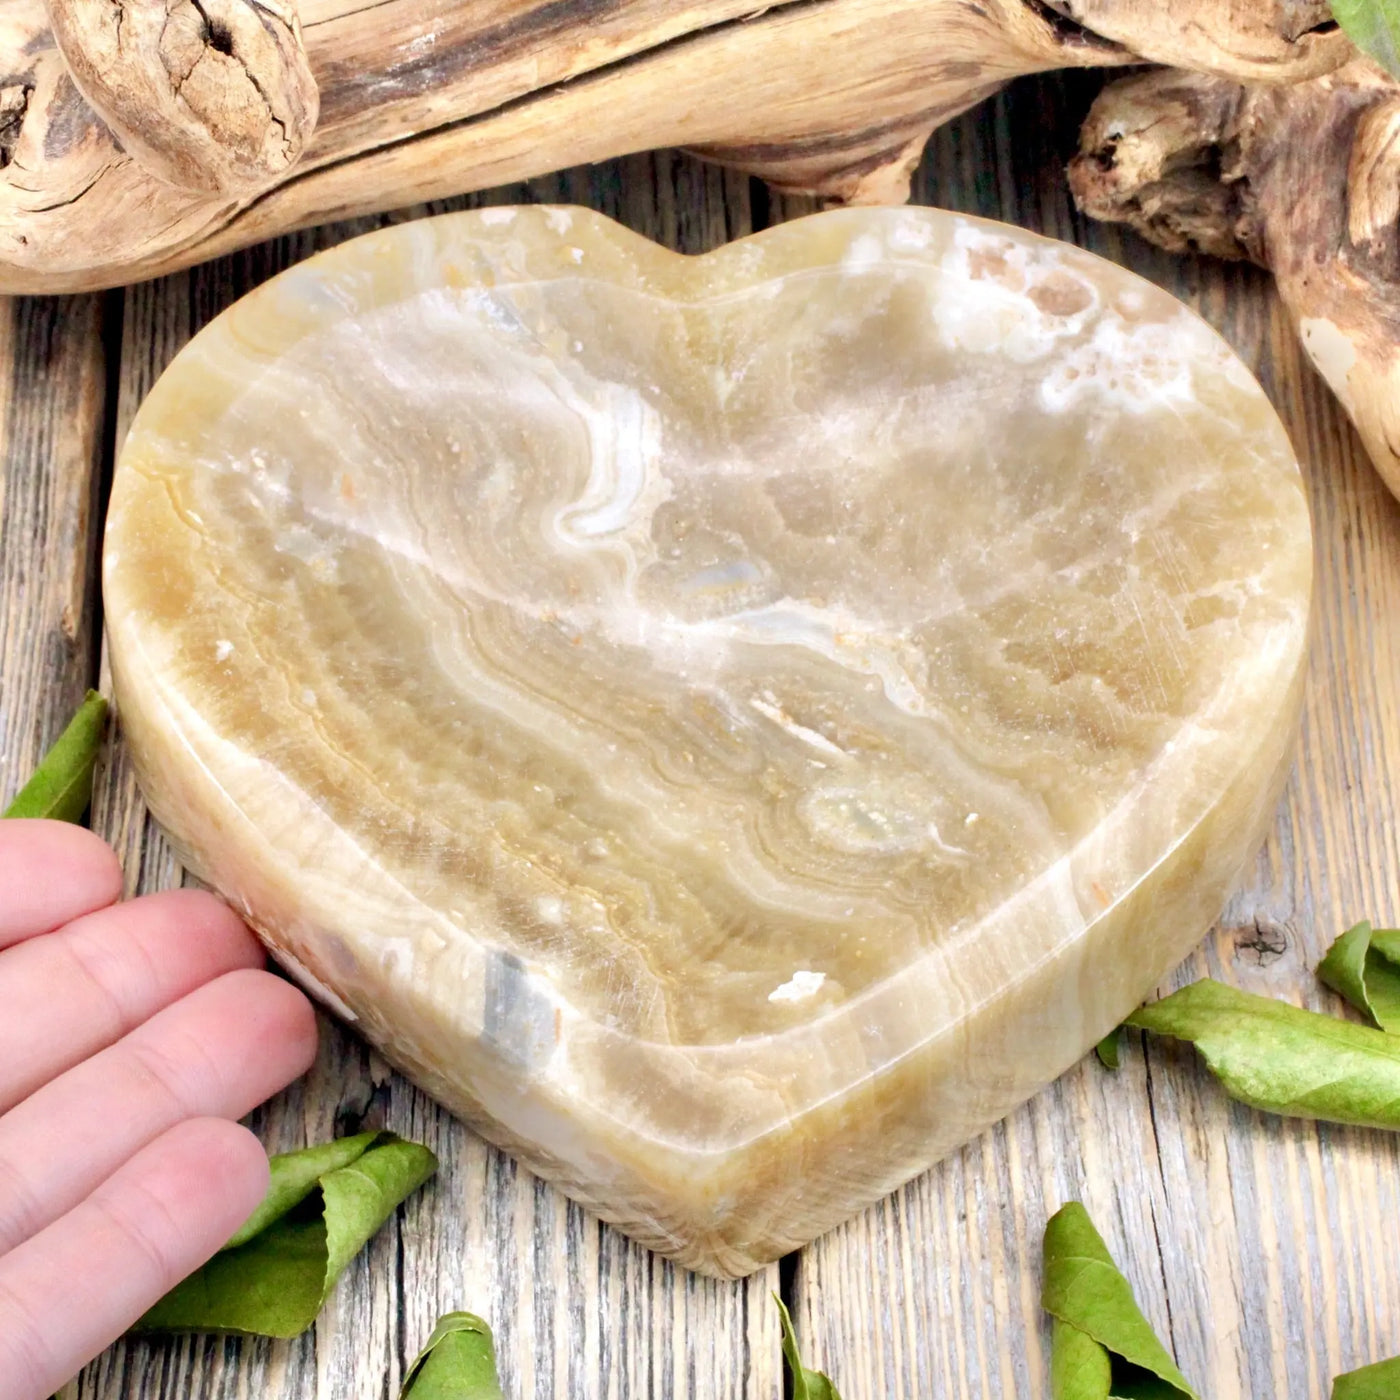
[{"x": 1262, "y": 1250}]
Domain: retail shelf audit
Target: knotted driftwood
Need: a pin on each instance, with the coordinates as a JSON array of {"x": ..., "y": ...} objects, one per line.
[
  {"x": 1304, "y": 179},
  {"x": 140, "y": 136}
]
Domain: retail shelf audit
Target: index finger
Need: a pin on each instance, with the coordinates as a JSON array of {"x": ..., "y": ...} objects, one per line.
[{"x": 50, "y": 874}]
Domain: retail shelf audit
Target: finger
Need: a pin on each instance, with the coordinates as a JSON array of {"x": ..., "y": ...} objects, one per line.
[
  {"x": 74, "y": 1289},
  {"x": 51, "y": 872},
  {"x": 216, "y": 1053},
  {"x": 67, "y": 996}
]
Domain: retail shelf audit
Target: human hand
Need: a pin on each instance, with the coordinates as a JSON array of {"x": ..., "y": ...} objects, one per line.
[{"x": 131, "y": 1036}]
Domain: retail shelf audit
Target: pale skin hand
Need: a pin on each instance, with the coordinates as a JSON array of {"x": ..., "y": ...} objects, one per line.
[{"x": 132, "y": 1035}]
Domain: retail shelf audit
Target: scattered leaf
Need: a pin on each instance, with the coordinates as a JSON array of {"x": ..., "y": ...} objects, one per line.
[
  {"x": 322, "y": 1207},
  {"x": 1374, "y": 27},
  {"x": 1378, "y": 1382},
  {"x": 1101, "y": 1344},
  {"x": 1079, "y": 1367},
  {"x": 1107, "y": 1049},
  {"x": 458, "y": 1363},
  {"x": 1282, "y": 1059},
  {"x": 293, "y": 1176},
  {"x": 806, "y": 1385},
  {"x": 1364, "y": 966},
  {"x": 61, "y": 787}
]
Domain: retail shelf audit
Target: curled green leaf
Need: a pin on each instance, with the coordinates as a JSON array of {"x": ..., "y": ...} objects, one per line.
[
  {"x": 61, "y": 787},
  {"x": 1101, "y": 1345},
  {"x": 293, "y": 1176},
  {"x": 1282, "y": 1059},
  {"x": 1108, "y": 1048},
  {"x": 1364, "y": 966},
  {"x": 806, "y": 1385},
  {"x": 1079, "y": 1366},
  {"x": 1374, "y": 27},
  {"x": 457, "y": 1363},
  {"x": 322, "y": 1207},
  {"x": 1378, "y": 1382}
]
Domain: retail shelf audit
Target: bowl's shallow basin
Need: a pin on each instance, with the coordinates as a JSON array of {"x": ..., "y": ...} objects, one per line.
[{"x": 729, "y": 727}]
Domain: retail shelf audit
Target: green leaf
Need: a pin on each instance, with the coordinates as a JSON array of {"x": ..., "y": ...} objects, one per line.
[
  {"x": 322, "y": 1207},
  {"x": 1281, "y": 1059},
  {"x": 1079, "y": 1366},
  {"x": 1364, "y": 966},
  {"x": 806, "y": 1385},
  {"x": 1101, "y": 1345},
  {"x": 458, "y": 1363},
  {"x": 1107, "y": 1049},
  {"x": 61, "y": 787},
  {"x": 295, "y": 1175},
  {"x": 1374, "y": 27},
  {"x": 1378, "y": 1382}
]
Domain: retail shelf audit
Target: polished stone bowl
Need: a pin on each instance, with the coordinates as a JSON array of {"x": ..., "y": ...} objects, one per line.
[{"x": 730, "y": 727}]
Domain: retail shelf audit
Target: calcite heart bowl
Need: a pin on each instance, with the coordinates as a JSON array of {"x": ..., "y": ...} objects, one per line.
[{"x": 731, "y": 727}]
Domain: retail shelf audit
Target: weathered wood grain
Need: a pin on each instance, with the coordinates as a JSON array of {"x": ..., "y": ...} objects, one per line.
[
  {"x": 1263, "y": 1250},
  {"x": 52, "y": 389},
  {"x": 579, "y": 1311}
]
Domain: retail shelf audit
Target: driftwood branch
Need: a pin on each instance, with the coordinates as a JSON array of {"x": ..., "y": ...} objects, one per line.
[
  {"x": 144, "y": 135},
  {"x": 1304, "y": 180}
]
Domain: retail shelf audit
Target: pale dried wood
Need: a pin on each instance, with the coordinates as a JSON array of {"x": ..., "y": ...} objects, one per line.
[
  {"x": 579, "y": 1311},
  {"x": 1239, "y": 38},
  {"x": 212, "y": 95},
  {"x": 1262, "y": 1250},
  {"x": 421, "y": 100}
]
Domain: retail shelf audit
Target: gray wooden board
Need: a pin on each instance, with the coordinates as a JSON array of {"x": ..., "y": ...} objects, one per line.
[
  {"x": 52, "y": 391},
  {"x": 1262, "y": 1250}
]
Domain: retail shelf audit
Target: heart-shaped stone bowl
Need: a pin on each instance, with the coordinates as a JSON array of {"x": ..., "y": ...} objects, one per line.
[{"x": 729, "y": 727}]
